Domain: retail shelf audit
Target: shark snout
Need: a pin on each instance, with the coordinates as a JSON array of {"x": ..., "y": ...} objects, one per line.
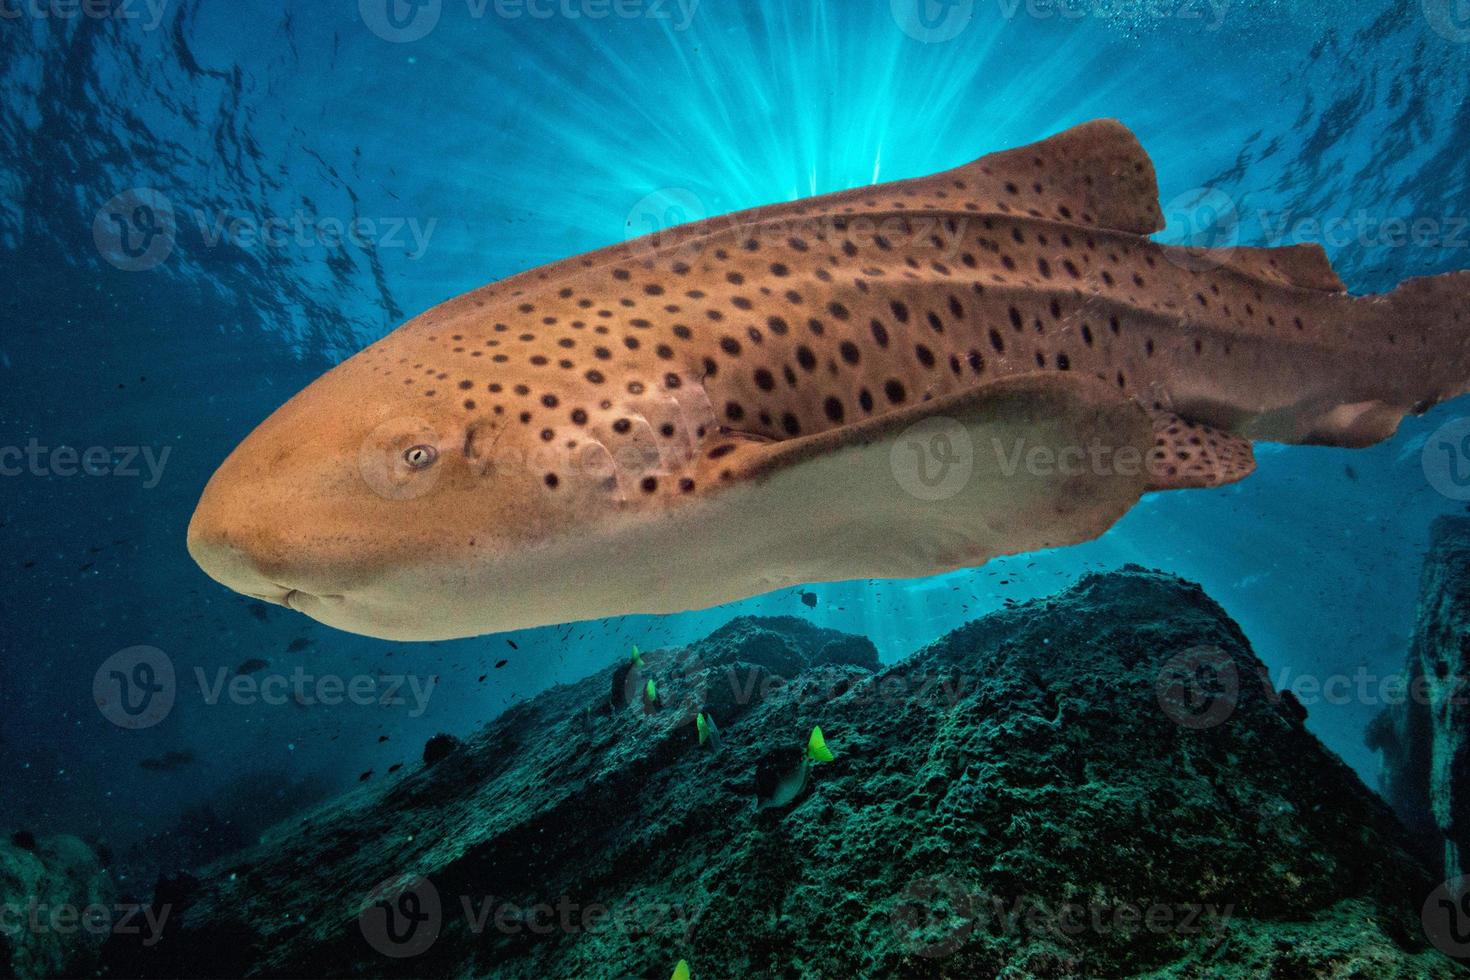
[{"x": 260, "y": 544}]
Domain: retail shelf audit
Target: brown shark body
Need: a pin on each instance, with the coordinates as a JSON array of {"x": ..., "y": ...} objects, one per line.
[{"x": 893, "y": 381}]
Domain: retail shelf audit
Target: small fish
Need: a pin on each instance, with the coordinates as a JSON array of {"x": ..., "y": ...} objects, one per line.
[
  {"x": 251, "y": 666},
  {"x": 709, "y": 732},
  {"x": 1350, "y": 473},
  {"x": 809, "y": 599},
  {"x": 365, "y": 776},
  {"x": 816, "y": 747},
  {"x": 499, "y": 664},
  {"x": 394, "y": 768},
  {"x": 168, "y": 762},
  {"x": 298, "y": 644}
]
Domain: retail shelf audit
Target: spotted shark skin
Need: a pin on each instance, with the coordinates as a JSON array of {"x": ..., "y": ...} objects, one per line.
[{"x": 717, "y": 411}]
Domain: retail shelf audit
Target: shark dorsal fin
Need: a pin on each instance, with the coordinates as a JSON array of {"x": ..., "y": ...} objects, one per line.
[
  {"x": 1094, "y": 174},
  {"x": 1303, "y": 266}
]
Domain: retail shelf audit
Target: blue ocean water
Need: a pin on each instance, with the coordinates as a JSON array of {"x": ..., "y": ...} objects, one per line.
[{"x": 333, "y": 169}]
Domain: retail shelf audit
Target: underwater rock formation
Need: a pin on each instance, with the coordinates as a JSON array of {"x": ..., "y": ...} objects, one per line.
[
  {"x": 1094, "y": 784},
  {"x": 56, "y": 906},
  {"x": 1425, "y": 740}
]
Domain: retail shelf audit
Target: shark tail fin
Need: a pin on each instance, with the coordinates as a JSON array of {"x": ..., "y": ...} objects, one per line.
[
  {"x": 1095, "y": 174},
  {"x": 1419, "y": 357},
  {"x": 1438, "y": 307},
  {"x": 1431, "y": 316}
]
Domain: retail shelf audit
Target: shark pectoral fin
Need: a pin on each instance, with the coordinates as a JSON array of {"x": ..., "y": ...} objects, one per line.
[
  {"x": 1094, "y": 174},
  {"x": 1303, "y": 266},
  {"x": 1188, "y": 456},
  {"x": 1030, "y": 462}
]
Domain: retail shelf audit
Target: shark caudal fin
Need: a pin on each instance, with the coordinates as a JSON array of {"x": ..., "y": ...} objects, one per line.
[
  {"x": 1411, "y": 350},
  {"x": 1436, "y": 309}
]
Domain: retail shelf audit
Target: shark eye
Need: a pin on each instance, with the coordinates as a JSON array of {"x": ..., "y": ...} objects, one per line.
[{"x": 420, "y": 457}]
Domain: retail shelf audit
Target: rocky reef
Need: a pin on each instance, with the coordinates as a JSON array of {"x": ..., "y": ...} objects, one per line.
[
  {"x": 1425, "y": 739},
  {"x": 1095, "y": 784},
  {"x": 57, "y": 906}
]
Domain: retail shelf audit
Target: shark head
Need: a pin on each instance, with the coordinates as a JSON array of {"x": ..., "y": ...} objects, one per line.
[{"x": 374, "y": 509}]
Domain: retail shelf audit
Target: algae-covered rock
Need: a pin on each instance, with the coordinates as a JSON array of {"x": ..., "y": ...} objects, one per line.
[
  {"x": 57, "y": 905},
  {"x": 1424, "y": 741},
  {"x": 1097, "y": 784}
]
